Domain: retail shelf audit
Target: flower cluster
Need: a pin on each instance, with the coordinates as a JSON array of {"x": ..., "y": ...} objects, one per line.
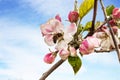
[{"x": 67, "y": 42}]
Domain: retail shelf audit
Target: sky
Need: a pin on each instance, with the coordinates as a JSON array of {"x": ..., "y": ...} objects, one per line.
[{"x": 22, "y": 46}]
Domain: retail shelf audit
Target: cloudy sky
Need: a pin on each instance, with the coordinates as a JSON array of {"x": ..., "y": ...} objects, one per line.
[{"x": 22, "y": 47}]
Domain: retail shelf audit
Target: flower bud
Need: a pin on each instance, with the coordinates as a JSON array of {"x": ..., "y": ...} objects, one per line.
[
  {"x": 112, "y": 22},
  {"x": 49, "y": 58},
  {"x": 87, "y": 46},
  {"x": 116, "y": 13},
  {"x": 64, "y": 54},
  {"x": 58, "y": 17},
  {"x": 73, "y": 16},
  {"x": 115, "y": 29}
]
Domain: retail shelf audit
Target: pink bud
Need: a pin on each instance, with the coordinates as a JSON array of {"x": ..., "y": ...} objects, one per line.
[
  {"x": 87, "y": 46},
  {"x": 112, "y": 22},
  {"x": 116, "y": 13},
  {"x": 58, "y": 17},
  {"x": 73, "y": 16},
  {"x": 115, "y": 29},
  {"x": 49, "y": 58},
  {"x": 64, "y": 54}
]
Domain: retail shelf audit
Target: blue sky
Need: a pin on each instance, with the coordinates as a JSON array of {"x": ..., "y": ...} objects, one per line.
[{"x": 22, "y": 47}]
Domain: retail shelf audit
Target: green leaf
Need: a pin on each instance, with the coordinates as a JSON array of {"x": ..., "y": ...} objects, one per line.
[
  {"x": 75, "y": 62},
  {"x": 88, "y": 26},
  {"x": 85, "y": 7},
  {"x": 97, "y": 24},
  {"x": 109, "y": 9}
]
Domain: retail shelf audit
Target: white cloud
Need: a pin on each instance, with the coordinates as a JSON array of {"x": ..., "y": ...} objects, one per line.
[
  {"x": 22, "y": 49},
  {"x": 102, "y": 58},
  {"x": 49, "y": 7}
]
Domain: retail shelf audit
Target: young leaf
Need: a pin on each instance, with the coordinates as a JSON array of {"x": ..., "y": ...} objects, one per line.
[
  {"x": 85, "y": 7},
  {"x": 109, "y": 9},
  {"x": 75, "y": 62},
  {"x": 88, "y": 25},
  {"x": 97, "y": 24}
]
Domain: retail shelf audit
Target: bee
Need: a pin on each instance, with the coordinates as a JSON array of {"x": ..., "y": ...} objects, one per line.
[{"x": 56, "y": 37}]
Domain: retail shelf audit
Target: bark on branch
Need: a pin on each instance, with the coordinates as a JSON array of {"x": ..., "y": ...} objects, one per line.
[
  {"x": 111, "y": 31},
  {"x": 46, "y": 74}
]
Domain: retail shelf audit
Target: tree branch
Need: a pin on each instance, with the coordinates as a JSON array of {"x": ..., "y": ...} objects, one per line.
[
  {"x": 111, "y": 31},
  {"x": 101, "y": 51},
  {"x": 92, "y": 29},
  {"x": 46, "y": 74}
]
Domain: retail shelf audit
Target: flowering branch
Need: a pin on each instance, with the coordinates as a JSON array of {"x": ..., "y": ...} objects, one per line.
[
  {"x": 46, "y": 74},
  {"x": 67, "y": 41},
  {"x": 111, "y": 31}
]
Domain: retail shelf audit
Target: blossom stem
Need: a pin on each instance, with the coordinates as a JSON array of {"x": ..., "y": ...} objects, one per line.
[
  {"x": 111, "y": 31},
  {"x": 46, "y": 74}
]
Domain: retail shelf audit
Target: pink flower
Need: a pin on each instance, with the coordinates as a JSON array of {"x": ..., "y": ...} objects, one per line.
[
  {"x": 67, "y": 37},
  {"x": 64, "y": 54},
  {"x": 115, "y": 29},
  {"x": 58, "y": 17},
  {"x": 112, "y": 22},
  {"x": 73, "y": 16},
  {"x": 116, "y": 13},
  {"x": 49, "y": 29},
  {"x": 87, "y": 46},
  {"x": 72, "y": 28},
  {"x": 49, "y": 58}
]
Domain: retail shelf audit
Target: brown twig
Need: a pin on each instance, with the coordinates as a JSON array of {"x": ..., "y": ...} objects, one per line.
[
  {"x": 111, "y": 31},
  {"x": 101, "y": 51},
  {"x": 46, "y": 74},
  {"x": 92, "y": 29}
]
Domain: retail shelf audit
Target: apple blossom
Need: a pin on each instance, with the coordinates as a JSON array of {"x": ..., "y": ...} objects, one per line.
[
  {"x": 49, "y": 58},
  {"x": 115, "y": 29},
  {"x": 50, "y": 29},
  {"x": 116, "y": 13},
  {"x": 64, "y": 53},
  {"x": 58, "y": 17},
  {"x": 112, "y": 22},
  {"x": 67, "y": 37},
  {"x": 87, "y": 46},
  {"x": 73, "y": 16}
]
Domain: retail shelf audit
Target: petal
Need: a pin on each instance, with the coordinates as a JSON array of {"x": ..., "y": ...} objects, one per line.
[
  {"x": 64, "y": 54},
  {"x": 83, "y": 50},
  {"x": 46, "y": 29},
  {"x": 58, "y": 17},
  {"x": 49, "y": 58},
  {"x": 57, "y": 25},
  {"x": 106, "y": 44},
  {"x": 67, "y": 37},
  {"x": 49, "y": 40},
  {"x": 93, "y": 41},
  {"x": 118, "y": 33},
  {"x": 61, "y": 45},
  {"x": 72, "y": 29}
]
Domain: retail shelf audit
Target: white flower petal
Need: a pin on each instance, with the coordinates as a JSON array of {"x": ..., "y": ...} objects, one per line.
[
  {"x": 72, "y": 29},
  {"x": 49, "y": 40},
  {"x": 62, "y": 45}
]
